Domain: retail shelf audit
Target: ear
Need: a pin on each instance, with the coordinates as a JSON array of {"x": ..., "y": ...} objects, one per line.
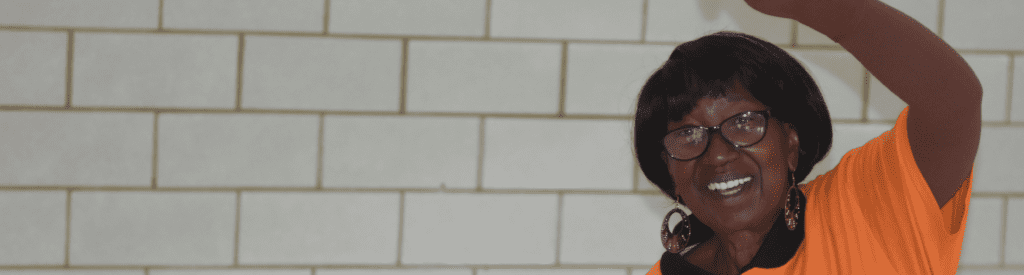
[{"x": 792, "y": 147}]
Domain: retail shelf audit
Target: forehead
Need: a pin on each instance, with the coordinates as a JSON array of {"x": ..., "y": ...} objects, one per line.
[{"x": 711, "y": 111}]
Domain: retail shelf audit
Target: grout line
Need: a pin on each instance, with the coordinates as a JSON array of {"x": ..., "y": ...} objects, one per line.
[
  {"x": 940, "y": 29},
  {"x": 238, "y": 229},
  {"x": 145, "y": 271},
  {"x": 312, "y": 271},
  {"x": 160, "y": 16},
  {"x": 1002, "y": 232},
  {"x": 629, "y": 271},
  {"x": 320, "y": 154},
  {"x": 562, "y": 79},
  {"x": 487, "y": 19},
  {"x": 1009, "y": 91},
  {"x": 401, "y": 226},
  {"x": 643, "y": 24},
  {"x": 865, "y": 93},
  {"x": 403, "y": 89},
  {"x": 480, "y": 158},
  {"x": 558, "y": 229},
  {"x": 69, "y": 70},
  {"x": 793, "y": 28},
  {"x": 67, "y": 232},
  {"x": 238, "y": 77},
  {"x": 327, "y": 16},
  {"x": 156, "y": 149}
]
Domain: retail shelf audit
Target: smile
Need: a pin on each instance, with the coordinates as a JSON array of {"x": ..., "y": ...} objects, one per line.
[{"x": 728, "y": 187}]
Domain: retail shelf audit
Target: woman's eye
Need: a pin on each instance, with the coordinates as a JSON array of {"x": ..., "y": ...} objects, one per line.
[{"x": 692, "y": 135}]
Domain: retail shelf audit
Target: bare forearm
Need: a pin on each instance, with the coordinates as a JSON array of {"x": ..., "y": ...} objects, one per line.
[{"x": 909, "y": 59}]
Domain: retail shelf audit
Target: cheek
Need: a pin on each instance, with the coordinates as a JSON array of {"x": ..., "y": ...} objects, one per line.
[{"x": 682, "y": 176}]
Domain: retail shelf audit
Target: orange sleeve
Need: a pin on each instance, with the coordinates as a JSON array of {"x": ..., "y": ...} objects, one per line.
[
  {"x": 875, "y": 212},
  {"x": 656, "y": 270}
]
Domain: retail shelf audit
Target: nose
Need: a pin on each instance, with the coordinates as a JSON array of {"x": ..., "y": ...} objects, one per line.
[{"x": 721, "y": 151}]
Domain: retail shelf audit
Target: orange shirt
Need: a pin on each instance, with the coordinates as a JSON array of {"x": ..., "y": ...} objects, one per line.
[{"x": 875, "y": 214}]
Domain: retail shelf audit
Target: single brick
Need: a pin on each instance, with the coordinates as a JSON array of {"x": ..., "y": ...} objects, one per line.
[
  {"x": 997, "y": 165},
  {"x": 446, "y": 271},
  {"x": 552, "y": 272},
  {"x": 318, "y": 228},
  {"x": 33, "y": 66},
  {"x": 557, "y": 154},
  {"x": 483, "y": 77},
  {"x": 33, "y": 227},
  {"x": 152, "y": 228},
  {"x": 839, "y": 77},
  {"x": 465, "y": 228},
  {"x": 237, "y": 150},
  {"x": 76, "y": 148},
  {"x": 981, "y": 238},
  {"x": 567, "y": 19},
  {"x": 629, "y": 227},
  {"x": 248, "y": 15},
  {"x": 984, "y": 24},
  {"x": 74, "y": 13},
  {"x": 401, "y": 152},
  {"x": 321, "y": 73},
  {"x": 231, "y": 272},
  {"x": 678, "y": 21},
  {"x": 155, "y": 70},
  {"x": 398, "y": 17},
  {"x": 606, "y": 78}
]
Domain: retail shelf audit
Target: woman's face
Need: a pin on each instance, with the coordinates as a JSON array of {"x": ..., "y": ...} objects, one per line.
[{"x": 761, "y": 169}]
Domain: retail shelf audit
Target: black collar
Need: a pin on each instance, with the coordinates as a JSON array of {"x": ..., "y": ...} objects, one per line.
[{"x": 778, "y": 247}]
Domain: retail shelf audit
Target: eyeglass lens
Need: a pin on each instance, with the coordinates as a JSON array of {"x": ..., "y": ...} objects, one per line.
[{"x": 742, "y": 130}]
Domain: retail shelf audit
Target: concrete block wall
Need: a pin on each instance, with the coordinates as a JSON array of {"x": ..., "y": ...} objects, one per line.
[{"x": 331, "y": 137}]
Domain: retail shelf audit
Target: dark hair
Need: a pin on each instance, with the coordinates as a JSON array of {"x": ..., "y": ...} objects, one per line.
[{"x": 713, "y": 64}]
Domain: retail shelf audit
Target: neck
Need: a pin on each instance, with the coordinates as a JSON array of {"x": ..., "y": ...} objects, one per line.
[{"x": 729, "y": 253}]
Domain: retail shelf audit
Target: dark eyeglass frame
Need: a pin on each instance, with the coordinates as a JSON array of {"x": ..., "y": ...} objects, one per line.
[{"x": 717, "y": 129}]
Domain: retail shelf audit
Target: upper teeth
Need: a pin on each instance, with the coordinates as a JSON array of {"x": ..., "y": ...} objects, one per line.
[{"x": 728, "y": 184}]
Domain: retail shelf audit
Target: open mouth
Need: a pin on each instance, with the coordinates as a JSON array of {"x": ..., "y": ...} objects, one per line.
[{"x": 730, "y": 187}]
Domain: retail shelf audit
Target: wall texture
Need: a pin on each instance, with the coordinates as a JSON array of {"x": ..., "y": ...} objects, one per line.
[{"x": 330, "y": 137}]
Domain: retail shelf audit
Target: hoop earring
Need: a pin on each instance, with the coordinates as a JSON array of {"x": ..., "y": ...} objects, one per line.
[
  {"x": 792, "y": 204},
  {"x": 675, "y": 241}
]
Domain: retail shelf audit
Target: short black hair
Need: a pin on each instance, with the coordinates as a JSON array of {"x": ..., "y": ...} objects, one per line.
[{"x": 713, "y": 64}]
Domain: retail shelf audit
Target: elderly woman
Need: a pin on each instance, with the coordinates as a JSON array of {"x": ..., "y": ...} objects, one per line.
[{"x": 730, "y": 124}]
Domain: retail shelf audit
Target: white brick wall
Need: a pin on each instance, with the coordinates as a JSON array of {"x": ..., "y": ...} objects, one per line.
[{"x": 442, "y": 137}]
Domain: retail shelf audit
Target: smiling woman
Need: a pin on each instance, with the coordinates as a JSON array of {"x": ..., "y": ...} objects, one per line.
[{"x": 730, "y": 124}]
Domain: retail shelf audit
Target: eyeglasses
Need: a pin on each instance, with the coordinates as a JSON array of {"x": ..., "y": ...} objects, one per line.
[{"x": 741, "y": 130}]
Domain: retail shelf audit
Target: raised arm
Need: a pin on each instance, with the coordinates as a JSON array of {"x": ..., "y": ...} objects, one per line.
[{"x": 944, "y": 95}]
